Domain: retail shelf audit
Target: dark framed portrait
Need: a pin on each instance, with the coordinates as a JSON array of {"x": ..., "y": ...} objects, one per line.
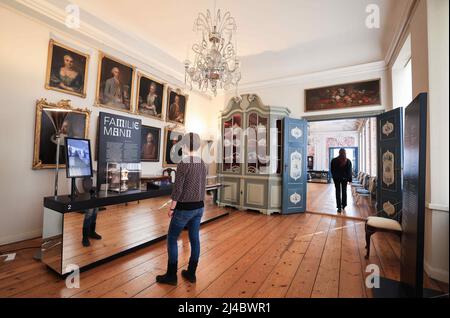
[
  {"x": 67, "y": 70},
  {"x": 149, "y": 97},
  {"x": 114, "y": 84},
  {"x": 150, "y": 143},
  {"x": 76, "y": 124},
  {"x": 172, "y": 147},
  {"x": 343, "y": 96},
  {"x": 176, "y": 106}
]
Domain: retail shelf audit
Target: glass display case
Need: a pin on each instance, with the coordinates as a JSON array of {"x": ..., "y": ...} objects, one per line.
[{"x": 122, "y": 177}]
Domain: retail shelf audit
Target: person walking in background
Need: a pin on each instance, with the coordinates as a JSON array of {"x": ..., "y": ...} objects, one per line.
[
  {"x": 341, "y": 171},
  {"x": 186, "y": 210}
]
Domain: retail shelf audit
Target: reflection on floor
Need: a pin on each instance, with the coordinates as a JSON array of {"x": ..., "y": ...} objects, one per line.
[
  {"x": 321, "y": 199},
  {"x": 121, "y": 228},
  {"x": 243, "y": 255}
]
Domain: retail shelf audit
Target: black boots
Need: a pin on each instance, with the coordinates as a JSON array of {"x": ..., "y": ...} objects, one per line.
[
  {"x": 93, "y": 234},
  {"x": 169, "y": 278},
  {"x": 189, "y": 274},
  {"x": 85, "y": 240},
  {"x": 89, "y": 233}
]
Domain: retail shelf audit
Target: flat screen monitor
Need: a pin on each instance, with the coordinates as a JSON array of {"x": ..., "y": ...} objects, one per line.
[{"x": 78, "y": 155}]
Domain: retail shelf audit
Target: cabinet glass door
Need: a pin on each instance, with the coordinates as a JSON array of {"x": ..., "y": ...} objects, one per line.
[
  {"x": 258, "y": 160},
  {"x": 232, "y": 148}
]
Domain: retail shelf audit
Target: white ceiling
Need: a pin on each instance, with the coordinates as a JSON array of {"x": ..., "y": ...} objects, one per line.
[
  {"x": 335, "y": 125},
  {"x": 276, "y": 38}
]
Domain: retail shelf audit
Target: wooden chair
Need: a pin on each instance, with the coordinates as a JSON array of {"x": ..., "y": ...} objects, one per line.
[
  {"x": 171, "y": 173},
  {"x": 368, "y": 192},
  {"x": 385, "y": 221},
  {"x": 364, "y": 183},
  {"x": 358, "y": 178}
]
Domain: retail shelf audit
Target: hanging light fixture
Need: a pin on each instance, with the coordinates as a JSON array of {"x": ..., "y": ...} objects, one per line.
[{"x": 216, "y": 65}]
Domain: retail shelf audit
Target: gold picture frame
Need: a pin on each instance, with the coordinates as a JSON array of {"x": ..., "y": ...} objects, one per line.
[
  {"x": 162, "y": 86},
  {"x": 169, "y": 99},
  {"x": 77, "y": 57},
  {"x": 43, "y": 154},
  {"x": 372, "y": 86},
  {"x": 156, "y": 132},
  {"x": 166, "y": 150},
  {"x": 99, "y": 99}
]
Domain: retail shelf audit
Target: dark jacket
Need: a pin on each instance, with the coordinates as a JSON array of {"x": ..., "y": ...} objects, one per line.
[{"x": 339, "y": 172}]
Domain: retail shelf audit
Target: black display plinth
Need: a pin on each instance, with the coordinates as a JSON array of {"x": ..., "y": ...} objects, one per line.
[
  {"x": 65, "y": 203},
  {"x": 394, "y": 289}
]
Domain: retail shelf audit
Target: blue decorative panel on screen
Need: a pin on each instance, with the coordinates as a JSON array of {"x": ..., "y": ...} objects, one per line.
[
  {"x": 390, "y": 162},
  {"x": 294, "y": 165}
]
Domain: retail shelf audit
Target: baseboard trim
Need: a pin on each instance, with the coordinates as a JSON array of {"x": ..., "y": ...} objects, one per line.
[
  {"x": 20, "y": 237},
  {"x": 436, "y": 273},
  {"x": 437, "y": 207}
]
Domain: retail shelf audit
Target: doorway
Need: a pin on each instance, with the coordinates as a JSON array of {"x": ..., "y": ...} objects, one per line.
[
  {"x": 325, "y": 138},
  {"x": 352, "y": 155}
]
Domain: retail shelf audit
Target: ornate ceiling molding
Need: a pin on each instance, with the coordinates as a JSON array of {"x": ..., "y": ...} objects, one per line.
[
  {"x": 343, "y": 72},
  {"x": 54, "y": 17}
]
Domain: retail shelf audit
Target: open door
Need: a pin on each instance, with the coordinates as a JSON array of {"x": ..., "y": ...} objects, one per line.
[
  {"x": 390, "y": 162},
  {"x": 295, "y": 142}
]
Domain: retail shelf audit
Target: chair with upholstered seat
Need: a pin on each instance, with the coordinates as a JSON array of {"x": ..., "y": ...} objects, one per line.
[
  {"x": 357, "y": 179},
  {"x": 364, "y": 183},
  {"x": 368, "y": 192},
  {"x": 385, "y": 221}
]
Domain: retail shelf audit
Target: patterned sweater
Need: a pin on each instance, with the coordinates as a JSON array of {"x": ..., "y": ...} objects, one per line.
[{"x": 190, "y": 180}]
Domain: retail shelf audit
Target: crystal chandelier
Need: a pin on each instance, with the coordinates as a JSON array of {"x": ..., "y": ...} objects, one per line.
[{"x": 215, "y": 65}]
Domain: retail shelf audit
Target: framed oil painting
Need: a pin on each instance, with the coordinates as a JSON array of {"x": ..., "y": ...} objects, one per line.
[
  {"x": 176, "y": 106},
  {"x": 172, "y": 146},
  {"x": 343, "y": 96},
  {"x": 149, "y": 97},
  {"x": 76, "y": 124},
  {"x": 150, "y": 143},
  {"x": 67, "y": 69},
  {"x": 114, "y": 84}
]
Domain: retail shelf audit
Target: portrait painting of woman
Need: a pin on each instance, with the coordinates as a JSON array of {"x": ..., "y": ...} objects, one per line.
[
  {"x": 66, "y": 70},
  {"x": 149, "y": 97},
  {"x": 176, "y": 110}
]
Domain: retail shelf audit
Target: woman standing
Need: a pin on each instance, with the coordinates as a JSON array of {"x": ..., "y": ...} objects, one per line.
[
  {"x": 341, "y": 171},
  {"x": 186, "y": 210}
]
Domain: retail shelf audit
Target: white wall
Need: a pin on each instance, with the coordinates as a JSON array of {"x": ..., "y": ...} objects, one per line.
[
  {"x": 428, "y": 31},
  {"x": 289, "y": 92},
  {"x": 23, "y": 58},
  {"x": 437, "y": 252}
]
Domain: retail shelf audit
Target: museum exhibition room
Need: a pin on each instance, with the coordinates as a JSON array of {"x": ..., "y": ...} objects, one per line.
[{"x": 258, "y": 149}]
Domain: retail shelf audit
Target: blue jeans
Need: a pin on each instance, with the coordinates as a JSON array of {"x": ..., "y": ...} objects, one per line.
[
  {"x": 181, "y": 219},
  {"x": 90, "y": 217}
]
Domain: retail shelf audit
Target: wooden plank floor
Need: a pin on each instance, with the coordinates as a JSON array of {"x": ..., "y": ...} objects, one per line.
[
  {"x": 122, "y": 228},
  {"x": 245, "y": 254},
  {"x": 321, "y": 199}
]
